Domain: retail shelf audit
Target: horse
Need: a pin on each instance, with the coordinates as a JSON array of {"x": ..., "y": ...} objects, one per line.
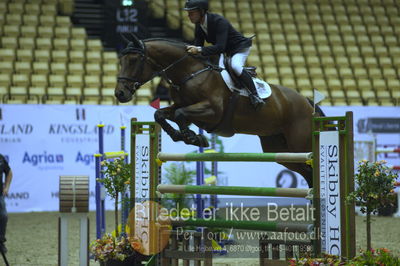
[{"x": 200, "y": 96}]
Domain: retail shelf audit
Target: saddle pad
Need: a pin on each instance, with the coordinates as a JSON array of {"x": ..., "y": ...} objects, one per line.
[{"x": 263, "y": 88}]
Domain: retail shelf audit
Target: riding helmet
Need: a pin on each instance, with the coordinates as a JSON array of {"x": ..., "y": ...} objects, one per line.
[{"x": 196, "y": 4}]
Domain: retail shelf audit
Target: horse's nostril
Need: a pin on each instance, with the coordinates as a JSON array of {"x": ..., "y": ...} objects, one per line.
[{"x": 119, "y": 94}]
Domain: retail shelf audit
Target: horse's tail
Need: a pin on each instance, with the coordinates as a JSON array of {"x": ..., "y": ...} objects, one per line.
[{"x": 317, "y": 108}]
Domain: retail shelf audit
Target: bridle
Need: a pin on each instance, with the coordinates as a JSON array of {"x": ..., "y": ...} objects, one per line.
[
  {"x": 141, "y": 50},
  {"x": 130, "y": 49}
]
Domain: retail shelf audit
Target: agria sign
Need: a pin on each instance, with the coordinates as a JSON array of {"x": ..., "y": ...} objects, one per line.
[{"x": 43, "y": 158}]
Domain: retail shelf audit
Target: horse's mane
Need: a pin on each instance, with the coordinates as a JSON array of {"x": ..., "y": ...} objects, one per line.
[
  {"x": 182, "y": 45},
  {"x": 175, "y": 43}
]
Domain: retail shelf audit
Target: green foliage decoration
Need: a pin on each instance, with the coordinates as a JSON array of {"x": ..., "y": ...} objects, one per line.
[
  {"x": 117, "y": 174},
  {"x": 375, "y": 183}
]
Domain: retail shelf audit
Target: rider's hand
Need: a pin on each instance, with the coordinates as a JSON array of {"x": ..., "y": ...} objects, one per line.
[
  {"x": 5, "y": 191},
  {"x": 191, "y": 49}
]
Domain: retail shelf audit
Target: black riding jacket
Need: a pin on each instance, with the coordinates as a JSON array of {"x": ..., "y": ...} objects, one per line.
[
  {"x": 4, "y": 168},
  {"x": 222, "y": 35}
]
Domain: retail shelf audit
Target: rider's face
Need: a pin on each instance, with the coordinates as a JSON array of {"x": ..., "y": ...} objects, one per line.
[{"x": 195, "y": 16}]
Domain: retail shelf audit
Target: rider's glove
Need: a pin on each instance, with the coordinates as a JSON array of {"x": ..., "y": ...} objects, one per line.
[{"x": 191, "y": 49}]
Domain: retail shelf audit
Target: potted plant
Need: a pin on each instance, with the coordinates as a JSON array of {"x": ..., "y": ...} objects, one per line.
[
  {"x": 112, "y": 249},
  {"x": 375, "y": 184},
  {"x": 381, "y": 256}
]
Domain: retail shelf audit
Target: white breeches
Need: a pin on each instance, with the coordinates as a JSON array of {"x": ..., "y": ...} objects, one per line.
[{"x": 239, "y": 60}]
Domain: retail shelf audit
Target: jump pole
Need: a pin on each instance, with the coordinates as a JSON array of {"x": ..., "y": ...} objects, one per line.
[
  {"x": 390, "y": 150},
  {"x": 395, "y": 167},
  {"x": 246, "y": 225},
  {"x": 200, "y": 181},
  {"x": 214, "y": 170},
  {"x": 125, "y": 197},
  {"x": 99, "y": 191},
  {"x": 235, "y": 190},
  {"x": 236, "y": 157},
  {"x": 397, "y": 150}
]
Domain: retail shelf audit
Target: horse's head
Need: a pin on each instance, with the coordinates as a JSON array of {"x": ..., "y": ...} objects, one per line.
[{"x": 134, "y": 70}]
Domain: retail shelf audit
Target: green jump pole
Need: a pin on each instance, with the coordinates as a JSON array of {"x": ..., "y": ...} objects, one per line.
[
  {"x": 245, "y": 225},
  {"x": 116, "y": 154},
  {"x": 237, "y": 157},
  {"x": 241, "y": 191}
]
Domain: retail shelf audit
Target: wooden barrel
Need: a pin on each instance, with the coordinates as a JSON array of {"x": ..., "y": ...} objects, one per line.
[{"x": 74, "y": 194}]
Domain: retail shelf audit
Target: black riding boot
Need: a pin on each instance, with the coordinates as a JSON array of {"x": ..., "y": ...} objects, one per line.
[{"x": 255, "y": 100}]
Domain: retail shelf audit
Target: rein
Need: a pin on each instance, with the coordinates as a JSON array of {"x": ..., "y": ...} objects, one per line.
[{"x": 162, "y": 73}]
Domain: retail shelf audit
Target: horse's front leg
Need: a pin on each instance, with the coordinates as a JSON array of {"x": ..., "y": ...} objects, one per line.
[
  {"x": 161, "y": 116},
  {"x": 199, "y": 112}
]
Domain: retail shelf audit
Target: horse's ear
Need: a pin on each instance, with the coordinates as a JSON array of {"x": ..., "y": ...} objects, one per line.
[
  {"x": 125, "y": 38},
  {"x": 137, "y": 42}
]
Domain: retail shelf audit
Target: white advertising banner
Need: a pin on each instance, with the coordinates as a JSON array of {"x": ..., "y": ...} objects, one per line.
[
  {"x": 42, "y": 142},
  {"x": 330, "y": 192},
  {"x": 142, "y": 168},
  {"x": 381, "y": 124}
]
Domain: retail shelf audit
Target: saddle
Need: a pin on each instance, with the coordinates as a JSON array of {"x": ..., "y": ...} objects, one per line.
[
  {"x": 224, "y": 127},
  {"x": 236, "y": 80}
]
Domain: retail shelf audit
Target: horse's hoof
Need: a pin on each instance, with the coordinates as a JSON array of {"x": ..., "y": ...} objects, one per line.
[
  {"x": 202, "y": 141},
  {"x": 188, "y": 141}
]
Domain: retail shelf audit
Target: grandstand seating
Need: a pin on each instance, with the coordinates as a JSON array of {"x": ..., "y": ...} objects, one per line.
[
  {"x": 45, "y": 59},
  {"x": 348, "y": 50}
]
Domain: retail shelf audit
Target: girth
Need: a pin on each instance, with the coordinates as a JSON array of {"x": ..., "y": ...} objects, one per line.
[{"x": 224, "y": 128}]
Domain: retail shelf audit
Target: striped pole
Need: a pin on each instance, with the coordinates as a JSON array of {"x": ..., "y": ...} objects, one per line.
[
  {"x": 245, "y": 225},
  {"x": 200, "y": 181},
  {"x": 125, "y": 194},
  {"x": 235, "y": 190},
  {"x": 214, "y": 170},
  {"x": 100, "y": 193},
  {"x": 237, "y": 157},
  {"x": 99, "y": 213},
  {"x": 388, "y": 150}
]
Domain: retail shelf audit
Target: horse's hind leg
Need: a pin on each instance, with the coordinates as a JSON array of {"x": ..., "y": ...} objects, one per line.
[
  {"x": 303, "y": 169},
  {"x": 274, "y": 143},
  {"x": 278, "y": 143},
  {"x": 299, "y": 139}
]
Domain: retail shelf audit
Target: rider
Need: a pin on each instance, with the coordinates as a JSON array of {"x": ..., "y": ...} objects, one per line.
[{"x": 218, "y": 31}]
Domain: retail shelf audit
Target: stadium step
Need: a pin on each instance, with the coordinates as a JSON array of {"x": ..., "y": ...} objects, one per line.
[{"x": 89, "y": 14}]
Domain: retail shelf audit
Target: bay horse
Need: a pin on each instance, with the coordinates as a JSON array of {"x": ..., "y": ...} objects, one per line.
[{"x": 200, "y": 96}]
